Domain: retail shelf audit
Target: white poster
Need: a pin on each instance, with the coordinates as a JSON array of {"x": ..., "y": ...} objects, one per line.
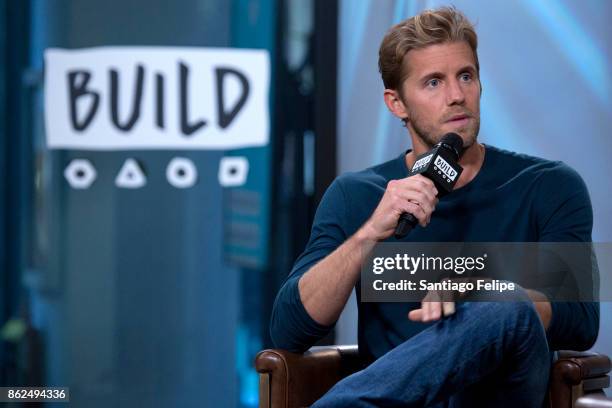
[{"x": 122, "y": 98}]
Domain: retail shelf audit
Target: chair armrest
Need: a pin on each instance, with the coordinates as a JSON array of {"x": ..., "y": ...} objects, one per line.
[
  {"x": 576, "y": 374},
  {"x": 290, "y": 380},
  {"x": 575, "y": 367}
]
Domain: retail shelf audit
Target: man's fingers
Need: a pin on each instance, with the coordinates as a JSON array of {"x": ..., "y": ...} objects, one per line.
[
  {"x": 416, "y": 315},
  {"x": 431, "y": 311},
  {"x": 448, "y": 308},
  {"x": 418, "y": 212},
  {"x": 425, "y": 183},
  {"x": 426, "y": 201},
  {"x": 435, "y": 311},
  {"x": 414, "y": 195},
  {"x": 425, "y": 307}
]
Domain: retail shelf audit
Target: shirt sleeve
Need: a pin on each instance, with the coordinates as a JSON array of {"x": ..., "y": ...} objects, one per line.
[
  {"x": 564, "y": 214},
  {"x": 291, "y": 327}
]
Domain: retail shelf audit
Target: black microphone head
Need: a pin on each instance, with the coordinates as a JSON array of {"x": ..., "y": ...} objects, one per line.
[{"x": 453, "y": 142}]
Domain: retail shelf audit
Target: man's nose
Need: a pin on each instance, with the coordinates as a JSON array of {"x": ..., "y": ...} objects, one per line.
[{"x": 455, "y": 94}]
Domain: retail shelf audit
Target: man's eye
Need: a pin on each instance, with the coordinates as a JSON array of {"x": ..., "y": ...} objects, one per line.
[
  {"x": 433, "y": 82},
  {"x": 466, "y": 77}
]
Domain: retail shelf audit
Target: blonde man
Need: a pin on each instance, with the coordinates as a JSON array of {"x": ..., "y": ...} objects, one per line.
[{"x": 486, "y": 353}]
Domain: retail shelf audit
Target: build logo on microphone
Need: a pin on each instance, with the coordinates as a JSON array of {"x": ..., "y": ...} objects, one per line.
[
  {"x": 421, "y": 163},
  {"x": 442, "y": 167}
]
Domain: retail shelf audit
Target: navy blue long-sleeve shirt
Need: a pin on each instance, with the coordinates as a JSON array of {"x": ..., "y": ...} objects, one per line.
[{"x": 513, "y": 198}]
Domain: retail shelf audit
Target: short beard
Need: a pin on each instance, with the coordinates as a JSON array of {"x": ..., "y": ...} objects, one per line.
[{"x": 427, "y": 134}]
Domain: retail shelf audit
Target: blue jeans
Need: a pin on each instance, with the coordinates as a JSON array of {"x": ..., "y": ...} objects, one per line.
[{"x": 488, "y": 354}]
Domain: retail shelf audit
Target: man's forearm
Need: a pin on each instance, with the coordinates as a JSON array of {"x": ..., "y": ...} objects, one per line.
[{"x": 326, "y": 287}]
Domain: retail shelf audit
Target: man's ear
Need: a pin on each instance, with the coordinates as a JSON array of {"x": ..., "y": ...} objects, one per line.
[{"x": 395, "y": 104}]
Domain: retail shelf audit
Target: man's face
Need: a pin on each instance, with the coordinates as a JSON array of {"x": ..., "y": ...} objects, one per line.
[{"x": 441, "y": 92}]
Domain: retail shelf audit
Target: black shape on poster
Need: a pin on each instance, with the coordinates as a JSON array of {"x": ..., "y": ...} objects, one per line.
[
  {"x": 226, "y": 117},
  {"x": 77, "y": 91},
  {"x": 85, "y": 100},
  {"x": 114, "y": 99}
]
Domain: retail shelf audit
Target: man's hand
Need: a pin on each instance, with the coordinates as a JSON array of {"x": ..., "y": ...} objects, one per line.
[
  {"x": 434, "y": 306},
  {"x": 325, "y": 288},
  {"x": 415, "y": 195},
  {"x": 438, "y": 304}
]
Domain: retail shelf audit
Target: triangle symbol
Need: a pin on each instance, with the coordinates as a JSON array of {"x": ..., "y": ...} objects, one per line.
[{"x": 130, "y": 175}]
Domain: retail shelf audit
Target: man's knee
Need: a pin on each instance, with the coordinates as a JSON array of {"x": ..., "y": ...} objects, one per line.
[
  {"x": 520, "y": 311},
  {"x": 512, "y": 306}
]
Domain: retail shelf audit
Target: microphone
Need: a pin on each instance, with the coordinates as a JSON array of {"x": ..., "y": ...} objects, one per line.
[{"x": 440, "y": 166}]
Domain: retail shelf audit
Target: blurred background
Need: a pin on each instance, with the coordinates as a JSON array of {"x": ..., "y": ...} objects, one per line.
[{"x": 160, "y": 296}]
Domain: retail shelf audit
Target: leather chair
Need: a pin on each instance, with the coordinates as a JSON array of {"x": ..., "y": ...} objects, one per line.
[{"x": 289, "y": 380}]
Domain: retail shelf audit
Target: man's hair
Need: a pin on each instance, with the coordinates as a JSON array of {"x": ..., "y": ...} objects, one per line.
[{"x": 438, "y": 26}]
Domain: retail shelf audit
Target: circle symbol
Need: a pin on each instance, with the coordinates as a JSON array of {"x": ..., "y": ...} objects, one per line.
[{"x": 181, "y": 173}]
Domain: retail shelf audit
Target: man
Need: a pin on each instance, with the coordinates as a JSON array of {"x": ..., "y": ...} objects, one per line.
[{"x": 486, "y": 353}]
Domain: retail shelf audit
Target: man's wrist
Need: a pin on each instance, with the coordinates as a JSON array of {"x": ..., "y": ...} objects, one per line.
[
  {"x": 364, "y": 239},
  {"x": 366, "y": 235}
]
